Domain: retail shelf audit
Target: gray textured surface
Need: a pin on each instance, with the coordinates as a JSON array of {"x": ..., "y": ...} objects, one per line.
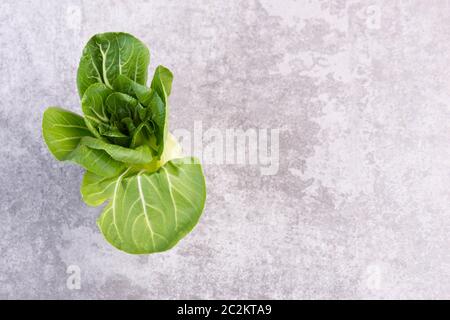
[{"x": 360, "y": 205}]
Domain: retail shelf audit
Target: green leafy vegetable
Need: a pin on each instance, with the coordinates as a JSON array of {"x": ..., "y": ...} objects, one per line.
[{"x": 154, "y": 195}]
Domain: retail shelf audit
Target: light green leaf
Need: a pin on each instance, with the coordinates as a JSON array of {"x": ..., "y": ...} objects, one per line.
[
  {"x": 62, "y": 131},
  {"x": 96, "y": 189},
  {"x": 95, "y": 160},
  {"x": 172, "y": 149},
  {"x": 139, "y": 155},
  {"x": 108, "y": 55},
  {"x": 151, "y": 212}
]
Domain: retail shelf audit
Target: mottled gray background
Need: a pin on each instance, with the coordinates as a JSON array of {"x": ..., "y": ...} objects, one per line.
[{"x": 360, "y": 205}]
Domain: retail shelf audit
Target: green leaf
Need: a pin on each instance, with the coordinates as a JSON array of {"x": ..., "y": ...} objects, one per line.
[
  {"x": 95, "y": 160},
  {"x": 159, "y": 104},
  {"x": 172, "y": 149},
  {"x": 96, "y": 189},
  {"x": 94, "y": 107},
  {"x": 142, "y": 134},
  {"x": 126, "y": 85},
  {"x": 62, "y": 131},
  {"x": 121, "y": 105},
  {"x": 162, "y": 82},
  {"x": 128, "y": 122},
  {"x": 111, "y": 131},
  {"x": 159, "y": 117},
  {"x": 139, "y": 155},
  {"x": 151, "y": 212},
  {"x": 155, "y": 99},
  {"x": 108, "y": 55}
]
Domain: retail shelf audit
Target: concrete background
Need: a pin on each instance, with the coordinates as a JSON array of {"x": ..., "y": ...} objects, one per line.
[{"x": 360, "y": 207}]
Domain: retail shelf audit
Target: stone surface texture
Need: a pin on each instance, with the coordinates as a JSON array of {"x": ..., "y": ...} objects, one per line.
[{"x": 360, "y": 205}]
